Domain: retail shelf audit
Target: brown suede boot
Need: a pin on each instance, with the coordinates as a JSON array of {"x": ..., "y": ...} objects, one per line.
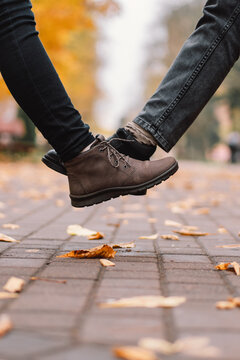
[{"x": 102, "y": 173}]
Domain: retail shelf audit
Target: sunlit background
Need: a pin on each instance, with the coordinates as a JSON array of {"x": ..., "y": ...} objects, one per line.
[{"x": 111, "y": 55}]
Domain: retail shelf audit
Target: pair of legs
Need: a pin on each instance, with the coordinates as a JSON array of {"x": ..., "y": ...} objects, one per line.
[{"x": 204, "y": 61}]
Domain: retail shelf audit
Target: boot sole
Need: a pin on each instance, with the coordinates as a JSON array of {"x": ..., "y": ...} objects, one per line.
[
  {"x": 56, "y": 166},
  {"x": 108, "y": 194}
]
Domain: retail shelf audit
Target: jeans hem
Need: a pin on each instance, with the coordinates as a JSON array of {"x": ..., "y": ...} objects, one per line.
[
  {"x": 162, "y": 142},
  {"x": 73, "y": 152}
]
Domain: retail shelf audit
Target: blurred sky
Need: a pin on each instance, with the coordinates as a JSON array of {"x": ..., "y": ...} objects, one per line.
[{"x": 122, "y": 50}]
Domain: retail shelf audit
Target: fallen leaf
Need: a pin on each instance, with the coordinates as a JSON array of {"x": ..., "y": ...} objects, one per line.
[
  {"x": 5, "y": 295},
  {"x": 96, "y": 236},
  {"x": 225, "y": 266},
  {"x": 172, "y": 223},
  {"x": 222, "y": 230},
  {"x": 80, "y": 231},
  {"x": 159, "y": 345},
  {"x": 170, "y": 237},
  {"x": 33, "y": 278},
  {"x": 6, "y": 238},
  {"x": 149, "y": 237},
  {"x": 229, "y": 246},
  {"x": 106, "y": 263},
  {"x": 145, "y": 301},
  {"x": 202, "y": 211},
  {"x": 32, "y": 251},
  {"x": 133, "y": 353},
  {"x": 129, "y": 245},
  {"x": 186, "y": 232},
  {"x": 5, "y": 325},
  {"x": 236, "y": 267},
  {"x": 104, "y": 251},
  {"x": 117, "y": 225},
  {"x": 10, "y": 226},
  {"x": 14, "y": 285},
  {"x": 225, "y": 305},
  {"x": 236, "y": 301}
]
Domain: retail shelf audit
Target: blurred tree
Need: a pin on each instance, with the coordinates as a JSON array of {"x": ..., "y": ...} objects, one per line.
[{"x": 68, "y": 30}]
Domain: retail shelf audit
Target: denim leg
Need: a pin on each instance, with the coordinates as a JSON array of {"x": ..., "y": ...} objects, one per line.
[
  {"x": 201, "y": 66},
  {"x": 34, "y": 83}
]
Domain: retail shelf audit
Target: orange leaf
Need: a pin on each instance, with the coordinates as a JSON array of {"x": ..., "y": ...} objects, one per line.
[
  {"x": 104, "y": 251},
  {"x": 170, "y": 237},
  {"x": 133, "y": 353},
  {"x": 186, "y": 232},
  {"x": 222, "y": 266}
]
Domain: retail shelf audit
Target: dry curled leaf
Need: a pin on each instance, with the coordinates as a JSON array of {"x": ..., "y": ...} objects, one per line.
[
  {"x": 104, "y": 251},
  {"x": 233, "y": 246},
  {"x": 5, "y": 325},
  {"x": 149, "y": 237},
  {"x": 170, "y": 237},
  {"x": 225, "y": 266},
  {"x": 172, "y": 223},
  {"x": 145, "y": 301},
  {"x": 14, "y": 285},
  {"x": 186, "y": 232},
  {"x": 106, "y": 263},
  {"x": 34, "y": 278},
  {"x": 6, "y": 295},
  {"x": 6, "y": 238},
  {"x": 10, "y": 226},
  {"x": 96, "y": 236},
  {"x": 133, "y": 353},
  {"x": 129, "y": 245},
  {"x": 80, "y": 231}
]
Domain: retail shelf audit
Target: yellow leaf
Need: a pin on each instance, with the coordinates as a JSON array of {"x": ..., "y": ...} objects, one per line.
[
  {"x": 185, "y": 232},
  {"x": 233, "y": 246},
  {"x": 149, "y": 237},
  {"x": 80, "y": 231},
  {"x": 222, "y": 230},
  {"x": 33, "y": 251},
  {"x": 96, "y": 236},
  {"x": 10, "y": 226},
  {"x": 172, "y": 223},
  {"x": 106, "y": 263},
  {"x": 225, "y": 305},
  {"x": 104, "y": 251},
  {"x": 129, "y": 245},
  {"x": 14, "y": 285},
  {"x": 170, "y": 237},
  {"x": 5, "y": 325},
  {"x": 6, "y": 238},
  {"x": 133, "y": 353},
  {"x": 145, "y": 301}
]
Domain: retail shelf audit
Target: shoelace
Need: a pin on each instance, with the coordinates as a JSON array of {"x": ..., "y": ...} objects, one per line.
[{"x": 114, "y": 154}]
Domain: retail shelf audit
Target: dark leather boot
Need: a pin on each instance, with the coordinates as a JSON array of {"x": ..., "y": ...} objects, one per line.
[{"x": 102, "y": 173}]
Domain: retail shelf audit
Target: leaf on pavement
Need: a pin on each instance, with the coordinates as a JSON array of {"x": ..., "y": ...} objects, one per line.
[
  {"x": 159, "y": 345},
  {"x": 6, "y": 295},
  {"x": 6, "y": 238},
  {"x": 10, "y": 226},
  {"x": 225, "y": 266},
  {"x": 14, "y": 285},
  {"x": 5, "y": 325},
  {"x": 80, "y": 231},
  {"x": 222, "y": 230},
  {"x": 145, "y": 301},
  {"x": 104, "y": 251},
  {"x": 202, "y": 211},
  {"x": 34, "y": 278},
  {"x": 33, "y": 251},
  {"x": 133, "y": 353},
  {"x": 172, "y": 223},
  {"x": 149, "y": 237},
  {"x": 106, "y": 263},
  {"x": 96, "y": 236},
  {"x": 233, "y": 246},
  {"x": 170, "y": 237},
  {"x": 186, "y": 232},
  {"x": 129, "y": 245},
  {"x": 225, "y": 305}
]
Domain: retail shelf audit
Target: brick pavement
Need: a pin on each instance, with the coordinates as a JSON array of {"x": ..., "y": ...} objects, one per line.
[{"x": 63, "y": 321}]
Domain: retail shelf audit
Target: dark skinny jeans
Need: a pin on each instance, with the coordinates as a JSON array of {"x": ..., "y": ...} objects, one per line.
[{"x": 34, "y": 83}]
